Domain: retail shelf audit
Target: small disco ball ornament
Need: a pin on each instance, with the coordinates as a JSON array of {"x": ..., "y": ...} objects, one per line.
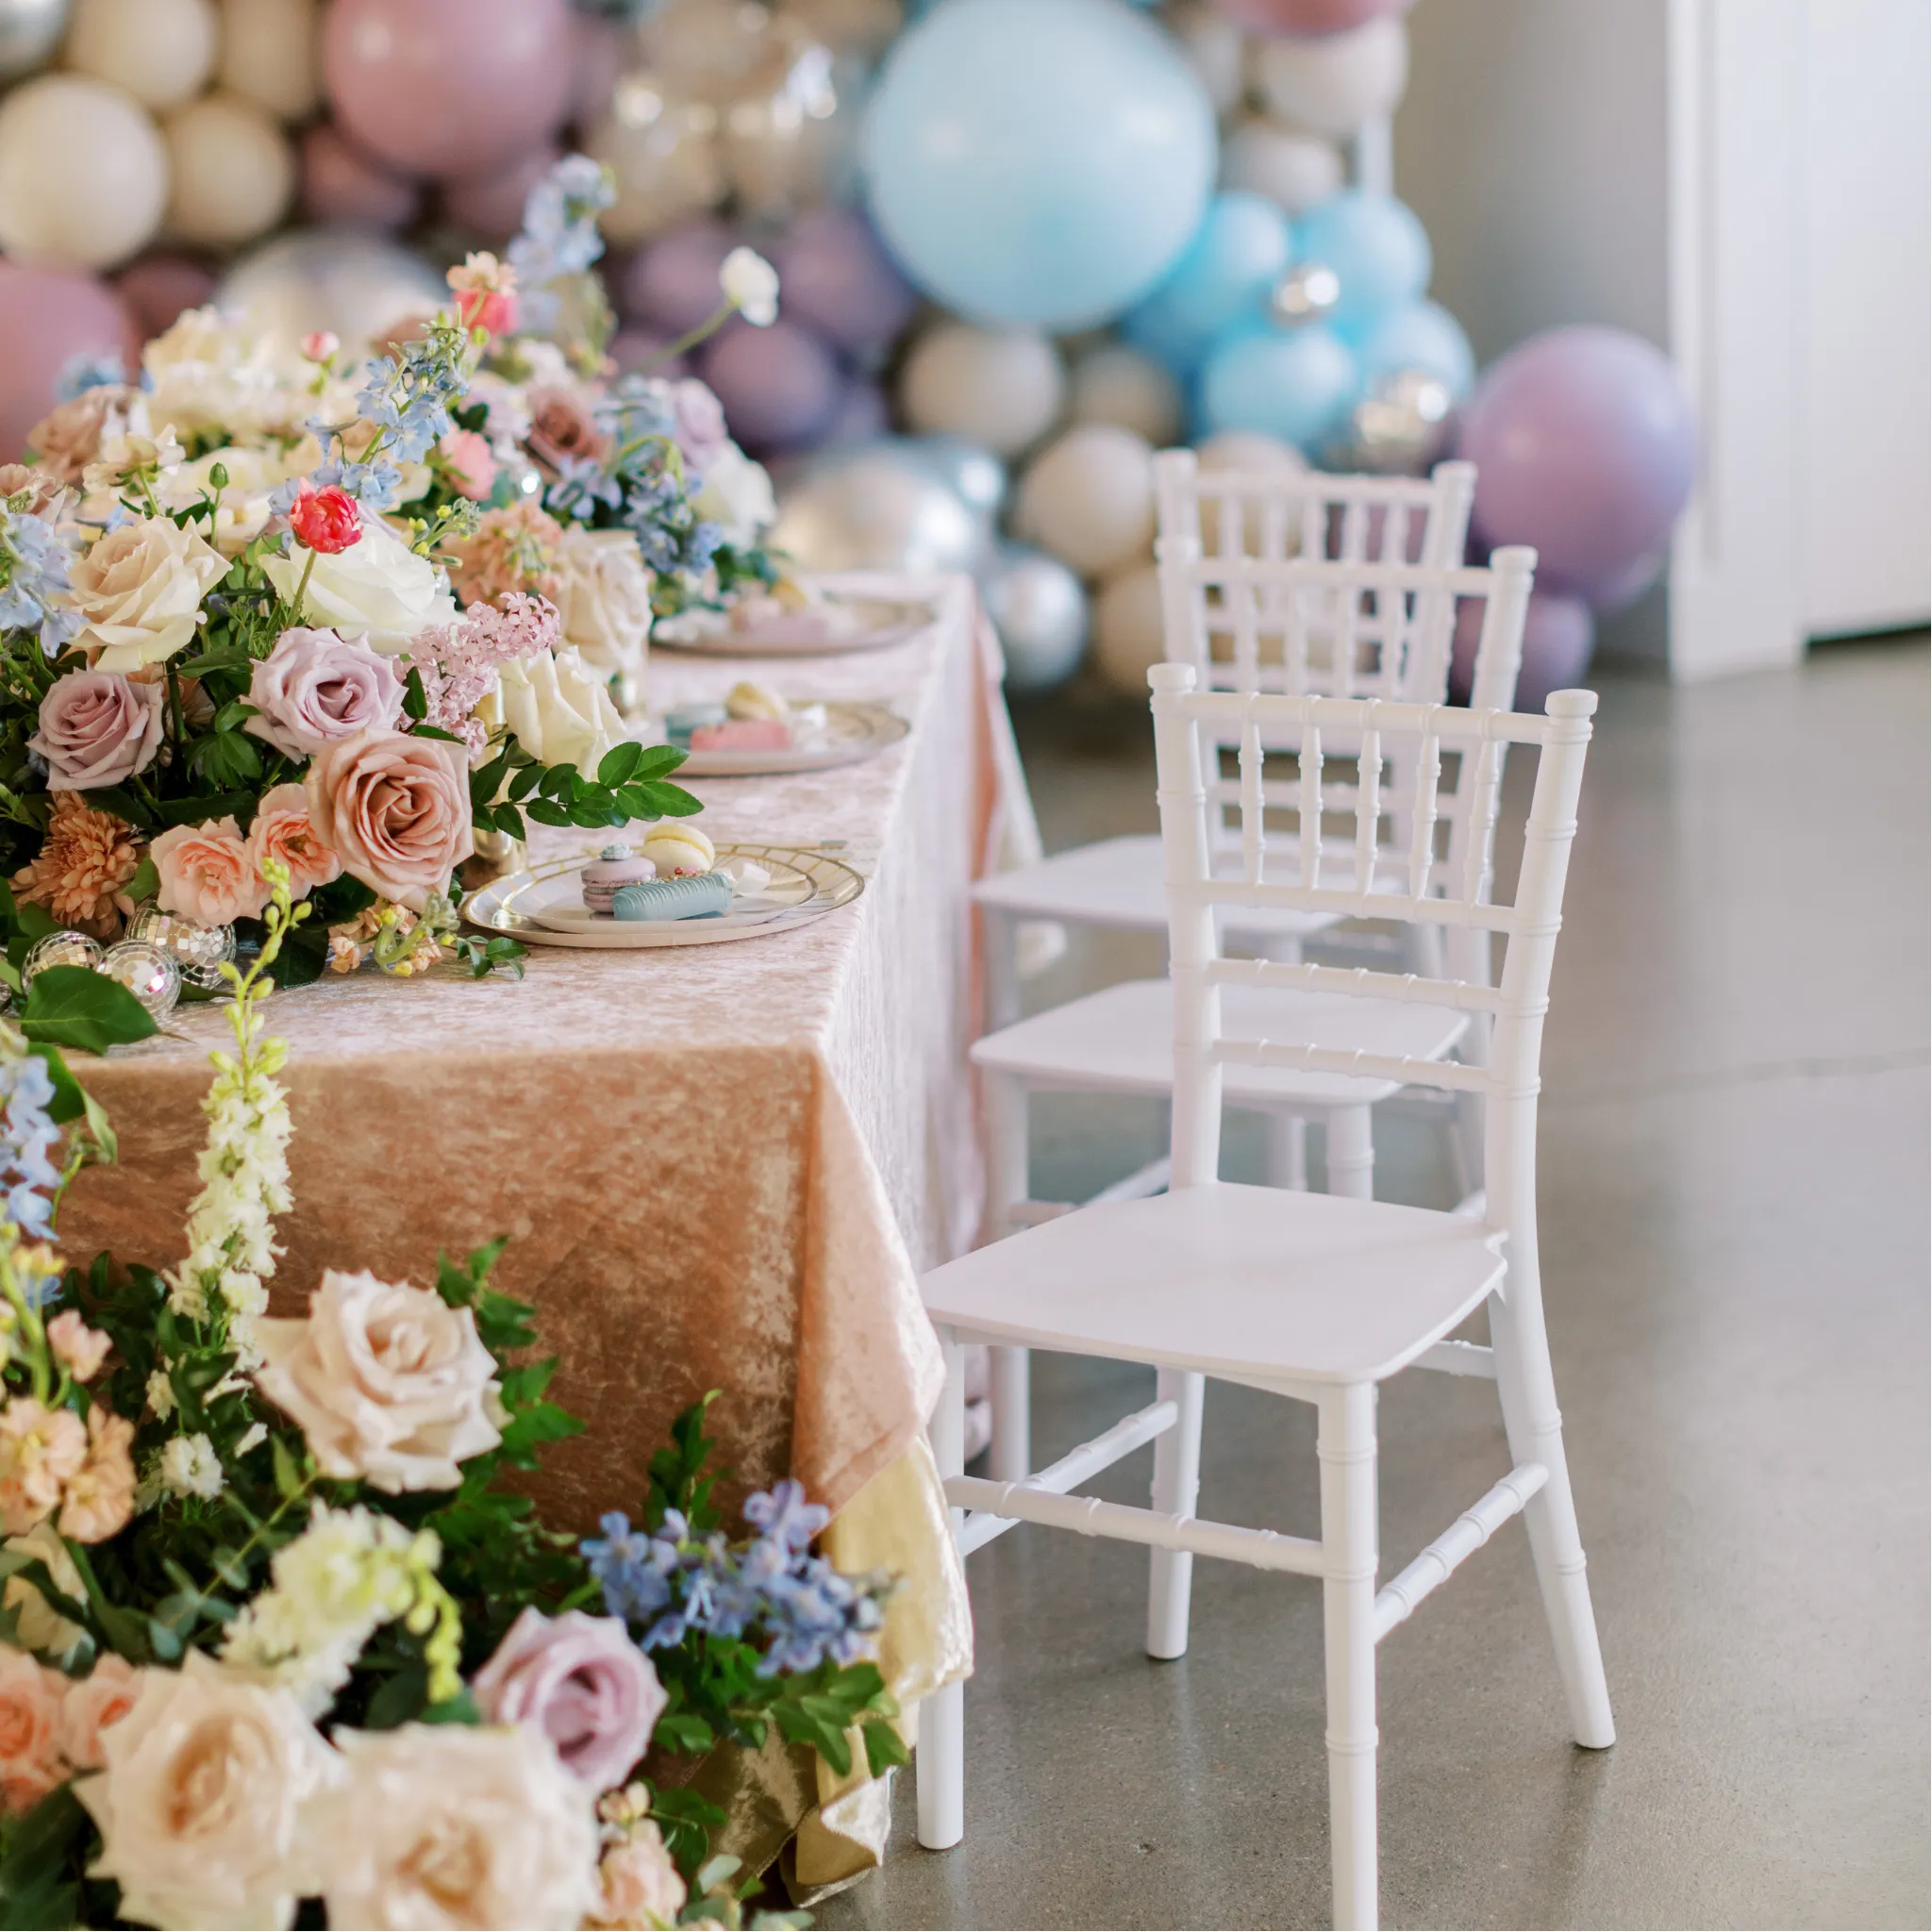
[
  {"x": 149, "y": 974},
  {"x": 63, "y": 948},
  {"x": 1307, "y": 293},
  {"x": 1399, "y": 427},
  {"x": 199, "y": 951}
]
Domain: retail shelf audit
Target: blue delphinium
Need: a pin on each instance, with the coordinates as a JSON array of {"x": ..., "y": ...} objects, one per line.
[
  {"x": 33, "y": 580},
  {"x": 88, "y": 371},
  {"x": 560, "y": 233},
  {"x": 29, "y": 1139}
]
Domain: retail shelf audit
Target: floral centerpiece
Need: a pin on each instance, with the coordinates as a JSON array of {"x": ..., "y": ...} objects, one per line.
[
  {"x": 258, "y": 606},
  {"x": 275, "y": 1625}
]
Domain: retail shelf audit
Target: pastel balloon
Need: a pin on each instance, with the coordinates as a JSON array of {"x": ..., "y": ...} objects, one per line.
[
  {"x": 780, "y": 385},
  {"x": 231, "y": 172},
  {"x": 342, "y": 186},
  {"x": 83, "y": 173},
  {"x": 29, "y": 32},
  {"x": 1295, "y": 387},
  {"x": 1214, "y": 46},
  {"x": 160, "y": 51},
  {"x": 969, "y": 469},
  {"x": 1223, "y": 280},
  {"x": 1308, "y": 19},
  {"x": 1294, "y": 171},
  {"x": 1127, "y": 630},
  {"x": 634, "y": 349},
  {"x": 47, "y": 317},
  {"x": 1039, "y": 611},
  {"x": 879, "y": 507},
  {"x": 269, "y": 55},
  {"x": 1037, "y": 161},
  {"x": 357, "y": 286},
  {"x": 1424, "y": 336},
  {"x": 664, "y": 152},
  {"x": 834, "y": 275},
  {"x": 1332, "y": 84},
  {"x": 1615, "y": 589},
  {"x": 1585, "y": 446},
  {"x": 860, "y": 26},
  {"x": 449, "y": 88},
  {"x": 1559, "y": 635},
  {"x": 862, "y": 415},
  {"x": 492, "y": 206},
  {"x": 1088, "y": 498},
  {"x": 1113, "y": 383},
  {"x": 673, "y": 285},
  {"x": 1378, "y": 250},
  {"x": 159, "y": 287},
  {"x": 1001, "y": 387}
]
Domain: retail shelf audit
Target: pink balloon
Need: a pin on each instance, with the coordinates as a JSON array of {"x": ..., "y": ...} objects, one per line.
[
  {"x": 1308, "y": 19},
  {"x": 1559, "y": 635},
  {"x": 672, "y": 286},
  {"x": 862, "y": 415},
  {"x": 603, "y": 51},
  {"x": 834, "y": 275},
  {"x": 634, "y": 349},
  {"x": 780, "y": 385},
  {"x": 46, "y": 319},
  {"x": 492, "y": 205},
  {"x": 450, "y": 88},
  {"x": 341, "y": 184},
  {"x": 159, "y": 287}
]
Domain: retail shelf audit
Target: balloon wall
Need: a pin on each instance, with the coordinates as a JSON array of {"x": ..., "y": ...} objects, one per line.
[{"x": 1022, "y": 244}]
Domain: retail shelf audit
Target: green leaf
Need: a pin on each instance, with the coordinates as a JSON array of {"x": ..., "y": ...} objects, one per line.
[
  {"x": 163, "y": 1640},
  {"x": 509, "y": 819},
  {"x": 69, "y": 1102},
  {"x": 199, "y": 811},
  {"x": 415, "y": 701},
  {"x": 684, "y": 1731},
  {"x": 546, "y": 814},
  {"x": 619, "y": 765},
  {"x": 594, "y": 812},
  {"x": 287, "y": 1472},
  {"x": 398, "y": 1699},
  {"x": 671, "y": 801},
  {"x": 73, "y": 1006},
  {"x": 436, "y": 731},
  {"x": 884, "y": 1747},
  {"x": 460, "y": 1709},
  {"x": 659, "y": 762},
  {"x": 146, "y": 881},
  {"x": 223, "y": 658},
  {"x": 118, "y": 802},
  {"x": 524, "y": 782}
]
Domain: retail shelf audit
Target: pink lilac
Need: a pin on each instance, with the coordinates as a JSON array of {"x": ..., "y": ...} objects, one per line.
[{"x": 458, "y": 662}]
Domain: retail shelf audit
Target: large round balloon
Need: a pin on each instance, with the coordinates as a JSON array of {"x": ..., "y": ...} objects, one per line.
[
  {"x": 29, "y": 32},
  {"x": 1333, "y": 85},
  {"x": 1307, "y": 19},
  {"x": 1039, "y": 609},
  {"x": 1378, "y": 250},
  {"x": 1559, "y": 635},
  {"x": 449, "y": 87},
  {"x": 1423, "y": 336},
  {"x": 46, "y": 319},
  {"x": 1585, "y": 446},
  {"x": 882, "y": 506},
  {"x": 1296, "y": 387},
  {"x": 835, "y": 277},
  {"x": 1038, "y": 160},
  {"x": 779, "y": 386},
  {"x": 83, "y": 173},
  {"x": 357, "y": 286},
  {"x": 1001, "y": 387},
  {"x": 1237, "y": 256}
]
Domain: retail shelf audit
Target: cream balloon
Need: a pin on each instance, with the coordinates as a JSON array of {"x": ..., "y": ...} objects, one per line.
[
  {"x": 1214, "y": 47},
  {"x": 1088, "y": 498},
  {"x": 83, "y": 173},
  {"x": 354, "y": 284},
  {"x": 232, "y": 169},
  {"x": 1293, "y": 171},
  {"x": 1247, "y": 450},
  {"x": 1127, "y": 631},
  {"x": 861, "y": 26},
  {"x": 269, "y": 55},
  {"x": 1332, "y": 84},
  {"x": 160, "y": 51},
  {"x": 1000, "y": 387},
  {"x": 1113, "y": 383},
  {"x": 663, "y": 150}
]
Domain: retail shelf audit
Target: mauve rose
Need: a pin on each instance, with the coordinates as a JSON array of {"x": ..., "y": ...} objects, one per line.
[
  {"x": 394, "y": 809},
  {"x": 699, "y": 423},
  {"x": 583, "y": 1683},
  {"x": 562, "y": 424},
  {"x": 317, "y": 686},
  {"x": 97, "y": 728}
]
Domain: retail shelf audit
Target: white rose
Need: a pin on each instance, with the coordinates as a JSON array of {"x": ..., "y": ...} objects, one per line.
[
  {"x": 208, "y": 373},
  {"x": 139, "y": 591},
  {"x": 738, "y": 497},
  {"x": 40, "y": 1626},
  {"x": 751, "y": 286},
  {"x": 378, "y": 585},
  {"x": 443, "y": 1824},
  {"x": 604, "y": 598},
  {"x": 202, "y": 1797},
  {"x": 387, "y": 1382},
  {"x": 556, "y": 708}
]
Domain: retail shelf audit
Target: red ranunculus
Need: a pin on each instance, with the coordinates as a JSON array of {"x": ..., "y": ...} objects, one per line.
[{"x": 327, "y": 520}]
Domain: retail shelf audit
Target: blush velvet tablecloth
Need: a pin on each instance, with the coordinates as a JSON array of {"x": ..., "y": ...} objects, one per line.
[{"x": 720, "y": 1167}]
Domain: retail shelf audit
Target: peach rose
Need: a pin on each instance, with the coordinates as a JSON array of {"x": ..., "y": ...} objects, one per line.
[
  {"x": 100, "y": 1498},
  {"x": 396, "y": 811},
  {"x": 93, "y": 1703},
  {"x": 284, "y": 830},
  {"x": 78, "y": 1349},
  {"x": 40, "y": 1450},
  {"x": 31, "y": 1699},
  {"x": 642, "y": 1886},
  {"x": 207, "y": 875},
  {"x": 472, "y": 468},
  {"x": 69, "y": 439},
  {"x": 139, "y": 592}
]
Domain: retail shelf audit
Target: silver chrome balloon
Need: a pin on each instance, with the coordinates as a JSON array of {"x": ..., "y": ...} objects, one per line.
[
  {"x": 199, "y": 951},
  {"x": 1307, "y": 293},
  {"x": 1040, "y": 609},
  {"x": 877, "y": 505},
  {"x": 1400, "y": 425},
  {"x": 29, "y": 32},
  {"x": 969, "y": 468},
  {"x": 357, "y": 285}
]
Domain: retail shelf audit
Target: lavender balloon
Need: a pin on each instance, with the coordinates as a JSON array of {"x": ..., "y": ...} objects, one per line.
[
  {"x": 835, "y": 275},
  {"x": 860, "y": 417},
  {"x": 673, "y": 285},
  {"x": 1559, "y": 634},
  {"x": 780, "y": 385},
  {"x": 1584, "y": 446}
]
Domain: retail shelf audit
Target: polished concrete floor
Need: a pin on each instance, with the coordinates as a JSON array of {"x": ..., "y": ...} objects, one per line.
[{"x": 1734, "y": 1203}]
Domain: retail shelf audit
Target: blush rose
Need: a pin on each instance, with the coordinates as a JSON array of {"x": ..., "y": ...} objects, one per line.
[
  {"x": 205, "y": 873},
  {"x": 395, "y": 809}
]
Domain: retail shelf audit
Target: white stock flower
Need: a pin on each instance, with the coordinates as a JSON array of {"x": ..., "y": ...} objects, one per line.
[
  {"x": 205, "y": 1800},
  {"x": 160, "y": 1392},
  {"x": 377, "y": 586},
  {"x": 738, "y": 497},
  {"x": 556, "y": 708},
  {"x": 751, "y": 284},
  {"x": 189, "y": 1466}
]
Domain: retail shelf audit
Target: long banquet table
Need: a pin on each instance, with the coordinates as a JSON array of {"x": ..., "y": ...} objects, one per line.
[{"x": 720, "y": 1167}]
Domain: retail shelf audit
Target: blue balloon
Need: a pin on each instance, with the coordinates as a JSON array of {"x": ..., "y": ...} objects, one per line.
[
  {"x": 1223, "y": 280},
  {"x": 1424, "y": 336},
  {"x": 1378, "y": 250},
  {"x": 1293, "y": 384},
  {"x": 1037, "y": 161}
]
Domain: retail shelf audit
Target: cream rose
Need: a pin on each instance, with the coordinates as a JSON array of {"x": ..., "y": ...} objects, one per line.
[
  {"x": 604, "y": 599},
  {"x": 40, "y": 1626},
  {"x": 737, "y": 496},
  {"x": 202, "y": 1801},
  {"x": 387, "y": 1382},
  {"x": 556, "y": 708},
  {"x": 139, "y": 591},
  {"x": 395, "y": 811},
  {"x": 378, "y": 585},
  {"x": 441, "y": 1824}
]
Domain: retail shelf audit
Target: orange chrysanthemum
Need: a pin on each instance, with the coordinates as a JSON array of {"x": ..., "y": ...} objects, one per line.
[{"x": 81, "y": 871}]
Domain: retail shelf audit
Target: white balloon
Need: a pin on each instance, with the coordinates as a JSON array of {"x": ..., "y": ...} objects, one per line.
[
  {"x": 233, "y": 172},
  {"x": 1113, "y": 383},
  {"x": 83, "y": 173},
  {"x": 331, "y": 278},
  {"x": 1088, "y": 498},
  {"x": 1128, "y": 632},
  {"x": 1332, "y": 84},
  {"x": 269, "y": 55},
  {"x": 882, "y": 506},
  {"x": 1214, "y": 49},
  {"x": 1040, "y": 610},
  {"x": 1293, "y": 171},
  {"x": 1000, "y": 387},
  {"x": 160, "y": 51}
]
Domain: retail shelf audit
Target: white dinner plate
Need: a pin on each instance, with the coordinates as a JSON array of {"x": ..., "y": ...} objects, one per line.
[
  {"x": 852, "y": 731},
  {"x": 543, "y": 906},
  {"x": 821, "y": 630}
]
